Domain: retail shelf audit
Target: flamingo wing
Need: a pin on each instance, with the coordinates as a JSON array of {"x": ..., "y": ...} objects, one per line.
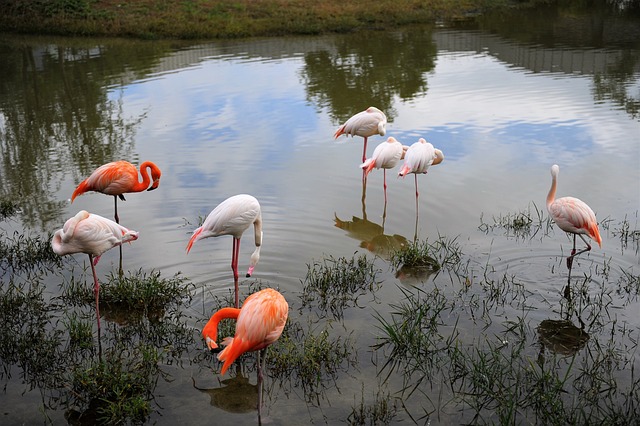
[
  {"x": 231, "y": 217},
  {"x": 575, "y": 216},
  {"x": 91, "y": 234},
  {"x": 366, "y": 123}
]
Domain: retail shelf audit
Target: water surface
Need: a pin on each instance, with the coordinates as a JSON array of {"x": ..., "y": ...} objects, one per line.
[{"x": 503, "y": 102}]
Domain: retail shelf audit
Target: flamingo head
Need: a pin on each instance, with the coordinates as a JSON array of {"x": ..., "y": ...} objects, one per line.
[
  {"x": 439, "y": 157},
  {"x": 155, "y": 176}
]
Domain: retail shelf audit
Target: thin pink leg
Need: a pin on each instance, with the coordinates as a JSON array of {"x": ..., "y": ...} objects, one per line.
[
  {"x": 364, "y": 151},
  {"x": 96, "y": 290},
  {"x": 234, "y": 267},
  {"x": 385, "y": 185}
]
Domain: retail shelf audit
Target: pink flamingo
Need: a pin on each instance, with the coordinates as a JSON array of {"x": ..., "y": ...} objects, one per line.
[
  {"x": 260, "y": 323},
  {"x": 366, "y": 123},
  {"x": 118, "y": 178},
  {"x": 385, "y": 156},
  {"x": 573, "y": 216},
  {"x": 418, "y": 158},
  {"x": 91, "y": 234},
  {"x": 232, "y": 217}
]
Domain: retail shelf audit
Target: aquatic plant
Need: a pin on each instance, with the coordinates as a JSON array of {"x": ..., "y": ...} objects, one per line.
[{"x": 334, "y": 284}]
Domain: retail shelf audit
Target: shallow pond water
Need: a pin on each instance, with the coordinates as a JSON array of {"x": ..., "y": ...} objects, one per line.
[{"x": 503, "y": 101}]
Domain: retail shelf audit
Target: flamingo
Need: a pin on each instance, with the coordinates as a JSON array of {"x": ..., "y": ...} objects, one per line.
[
  {"x": 366, "y": 123},
  {"x": 118, "y": 178},
  {"x": 260, "y": 323},
  {"x": 232, "y": 217},
  {"x": 91, "y": 234},
  {"x": 573, "y": 216},
  {"x": 385, "y": 156},
  {"x": 418, "y": 158}
]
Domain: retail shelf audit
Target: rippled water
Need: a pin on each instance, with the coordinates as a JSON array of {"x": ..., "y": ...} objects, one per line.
[{"x": 258, "y": 117}]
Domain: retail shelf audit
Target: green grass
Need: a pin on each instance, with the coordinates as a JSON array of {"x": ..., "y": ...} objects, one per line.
[
  {"x": 228, "y": 18},
  {"x": 334, "y": 284}
]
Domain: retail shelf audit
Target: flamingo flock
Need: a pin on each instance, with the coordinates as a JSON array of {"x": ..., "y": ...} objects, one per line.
[{"x": 262, "y": 318}]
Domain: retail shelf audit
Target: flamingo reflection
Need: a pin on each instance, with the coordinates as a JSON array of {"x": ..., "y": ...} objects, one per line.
[
  {"x": 237, "y": 395},
  {"x": 561, "y": 337}
]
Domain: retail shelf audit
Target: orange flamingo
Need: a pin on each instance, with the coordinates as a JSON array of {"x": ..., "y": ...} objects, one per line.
[
  {"x": 573, "y": 216},
  {"x": 232, "y": 217},
  {"x": 118, "y": 178},
  {"x": 91, "y": 234},
  {"x": 418, "y": 158},
  {"x": 385, "y": 156},
  {"x": 260, "y": 323},
  {"x": 366, "y": 123}
]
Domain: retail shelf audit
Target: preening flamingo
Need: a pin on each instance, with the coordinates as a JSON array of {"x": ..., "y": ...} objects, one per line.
[
  {"x": 91, "y": 234},
  {"x": 572, "y": 215},
  {"x": 118, "y": 178},
  {"x": 232, "y": 217},
  {"x": 260, "y": 323},
  {"x": 366, "y": 123},
  {"x": 418, "y": 158},
  {"x": 385, "y": 156}
]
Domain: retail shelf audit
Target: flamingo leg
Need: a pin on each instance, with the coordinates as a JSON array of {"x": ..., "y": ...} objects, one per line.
[
  {"x": 364, "y": 150},
  {"x": 384, "y": 184},
  {"x": 261, "y": 366},
  {"x": 96, "y": 290},
  {"x": 115, "y": 204},
  {"x": 234, "y": 267},
  {"x": 415, "y": 176},
  {"x": 574, "y": 252}
]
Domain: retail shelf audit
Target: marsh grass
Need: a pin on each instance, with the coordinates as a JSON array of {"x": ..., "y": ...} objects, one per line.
[
  {"x": 23, "y": 253},
  {"x": 132, "y": 296},
  {"x": 333, "y": 284},
  {"x": 626, "y": 234},
  {"x": 310, "y": 359},
  {"x": 119, "y": 387},
  {"x": 382, "y": 411},
  {"x": 474, "y": 350},
  {"x": 58, "y": 354},
  {"x": 8, "y": 208},
  {"x": 524, "y": 224}
]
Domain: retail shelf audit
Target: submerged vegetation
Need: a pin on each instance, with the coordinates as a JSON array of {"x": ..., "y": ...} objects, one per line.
[{"x": 464, "y": 340}]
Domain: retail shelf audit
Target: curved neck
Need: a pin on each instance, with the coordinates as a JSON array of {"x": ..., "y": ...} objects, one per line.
[
  {"x": 145, "y": 171},
  {"x": 552, "y": 192},
  {"x": 210, "y": 330}
]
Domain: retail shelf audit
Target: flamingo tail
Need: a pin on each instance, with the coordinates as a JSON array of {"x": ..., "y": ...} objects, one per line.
[
  {"x": 194, "y": 238},
  {"x": 367, "y": 166},
  {"x": 235, "y": 348},
  {"x": 594, "y": 233}
]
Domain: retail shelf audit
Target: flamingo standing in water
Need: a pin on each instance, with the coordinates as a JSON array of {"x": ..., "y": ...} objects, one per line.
[
  {"x": 418, "y": 158},
  {"x": 385, "y": 156},
  {"x": 366, "y": 123},
  {"x": 91, "y": 234},
  {"x": 118, "y": 178},
  {"x": 232, "y": 217},
  {"x": 573, "y": 216},
  {"x": 260, "y": 323}
]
